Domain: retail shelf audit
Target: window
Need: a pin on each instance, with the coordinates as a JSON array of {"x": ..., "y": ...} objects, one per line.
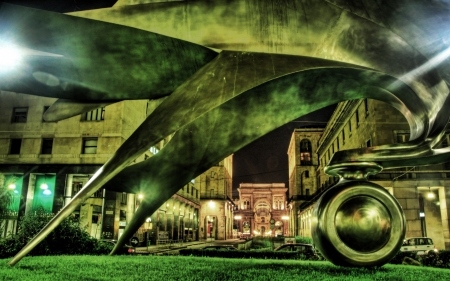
[
  {"x": 366, "y": 107},
  {"x": 90, "y": 146},
  {"x": 307, "y": 192},
  {"x": 76, "y": 187},
  {"x": 263, "y": 219},
  {"x": 154, "y": 150},
  {"x": 368, "y": 143},
  {"x": 350, "y": 127},
  {"x": 357, "y": 117},
  {"x": 123, "y": 198},
  {"x": 123, "y": 215},
  {"x": 19, "y": 114},
  {"x": 47, "y": 145},
  {"x": 306, "y": 174},
  {"x": 337, "y": 144},
  {"x": 98, "y": 193},
  {"x": 402, "y": 137},
  {"x": 305, "y": 152},
  {"x": 15, "y": 146},
  {"x": 94, "y": 115},
  {"x": 343, "y": 135}
]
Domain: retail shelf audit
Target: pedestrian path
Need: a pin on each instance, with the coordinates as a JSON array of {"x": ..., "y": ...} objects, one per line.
[{"x": 158, "y": 249}]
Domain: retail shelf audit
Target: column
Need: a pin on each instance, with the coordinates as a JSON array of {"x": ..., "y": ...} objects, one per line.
[
  {"x": 444, "y": 203},
  {"x": 407, "y": 196}
]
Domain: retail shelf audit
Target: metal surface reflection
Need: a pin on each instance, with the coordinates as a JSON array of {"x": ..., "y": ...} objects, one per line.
[
  {"x": 363, "y": 223},
  {"x": 358, "y": 223},
  {"x": 270, "y": 62}
]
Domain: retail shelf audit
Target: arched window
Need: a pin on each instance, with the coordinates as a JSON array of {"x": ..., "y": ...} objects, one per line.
[{"x": 305, "y": 152}]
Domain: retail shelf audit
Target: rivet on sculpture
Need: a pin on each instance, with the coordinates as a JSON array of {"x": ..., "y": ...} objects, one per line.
[{"x": 225, "y": 66}]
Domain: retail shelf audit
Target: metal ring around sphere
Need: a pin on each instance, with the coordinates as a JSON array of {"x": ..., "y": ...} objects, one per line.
[{"x": 358, "y": 223}]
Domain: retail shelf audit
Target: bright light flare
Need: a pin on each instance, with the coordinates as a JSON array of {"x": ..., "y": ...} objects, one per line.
[{"x": 9, "y": 57}]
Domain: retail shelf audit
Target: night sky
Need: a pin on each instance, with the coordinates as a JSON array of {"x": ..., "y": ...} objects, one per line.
[
  {"x": 263, "y": 161},
  {"x": 64, "y": 6}
]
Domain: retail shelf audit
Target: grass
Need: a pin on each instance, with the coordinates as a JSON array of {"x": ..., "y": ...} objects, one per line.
[{"x": 196, "y": 268}]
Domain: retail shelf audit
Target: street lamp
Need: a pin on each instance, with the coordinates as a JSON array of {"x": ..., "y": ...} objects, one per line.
[
  {"x": 430, "y": 194},
  {"x": 286, "y": 219},
  {"x": 238, "y": 223}
]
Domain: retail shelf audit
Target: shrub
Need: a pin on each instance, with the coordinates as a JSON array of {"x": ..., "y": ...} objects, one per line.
[
  {"x": 243, "y": 254},
  {"x": 441, "y": 259},
  {"x": 306, "y": 240},
  {"x": 261, "y": 243},
  {"x": 66, "y": 239},
  {"x": 400, "y": 256}
]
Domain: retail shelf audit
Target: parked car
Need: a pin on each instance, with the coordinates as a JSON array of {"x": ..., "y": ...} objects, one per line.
[
  {"x": 420, "y": 245},
  {"x": 219, "y": 247},
  {"x": 306, "y": 249}
]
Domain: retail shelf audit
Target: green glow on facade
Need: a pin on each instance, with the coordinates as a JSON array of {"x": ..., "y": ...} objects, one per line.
[
  {"x": 43, "y": 198},
  {"x": 16, "y": 192}
]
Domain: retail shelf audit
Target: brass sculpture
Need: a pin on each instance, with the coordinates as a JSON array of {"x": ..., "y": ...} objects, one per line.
[{"x": 269, "y": 64}]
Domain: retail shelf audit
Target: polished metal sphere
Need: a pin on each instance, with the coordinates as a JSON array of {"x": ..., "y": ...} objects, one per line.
[{"x": 358, "y": 223}]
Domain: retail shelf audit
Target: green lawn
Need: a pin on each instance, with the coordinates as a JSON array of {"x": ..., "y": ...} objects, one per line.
[{"x": 198, "y": 268}]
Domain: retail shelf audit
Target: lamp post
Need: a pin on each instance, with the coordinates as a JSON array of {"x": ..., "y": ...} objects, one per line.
[
  {"x": 238, "y": 218},
  {"x": 286, "y": 224}
]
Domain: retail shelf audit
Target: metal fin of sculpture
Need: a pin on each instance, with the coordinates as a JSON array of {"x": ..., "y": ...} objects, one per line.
[
  {"x": 63, "y": 109},
  {"x": 82, "y": 59},
  {"x": 213, "y": 95}
]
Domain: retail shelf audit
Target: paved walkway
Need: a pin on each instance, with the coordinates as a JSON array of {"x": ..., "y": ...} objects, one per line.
[{"x": 156, "y": 249}]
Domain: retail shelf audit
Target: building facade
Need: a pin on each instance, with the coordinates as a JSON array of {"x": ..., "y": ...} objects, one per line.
[
  {"x": 423, "y": 192},
  {"x": 261, "y": 210},
  {"x": 303, "y": 163},
  {"x": 44, "y": 164},
  {"x": 217, "y": 206}
]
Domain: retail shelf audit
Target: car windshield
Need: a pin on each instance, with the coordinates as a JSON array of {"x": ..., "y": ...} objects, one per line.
[
  {"x": 301, "y": 248},
  {"x": 285, "y": 249}
]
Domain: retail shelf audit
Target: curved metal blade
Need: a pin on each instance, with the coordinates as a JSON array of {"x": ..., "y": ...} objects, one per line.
[
  {"x": 74, "y": 58},
  {"x": 63, "y": 108}
]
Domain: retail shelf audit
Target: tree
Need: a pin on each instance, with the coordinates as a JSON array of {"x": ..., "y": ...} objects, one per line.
[{"x": 6, "y": 197}]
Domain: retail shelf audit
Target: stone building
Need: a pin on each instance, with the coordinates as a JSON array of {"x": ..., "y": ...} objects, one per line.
[
  {"x": 44, "y": 164},
  {"x": 215, "y": 186},
  {"x": 261, "y": 209},
  {"x": 303, "y": 163},
  {"x": 423, "y": 192}
]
